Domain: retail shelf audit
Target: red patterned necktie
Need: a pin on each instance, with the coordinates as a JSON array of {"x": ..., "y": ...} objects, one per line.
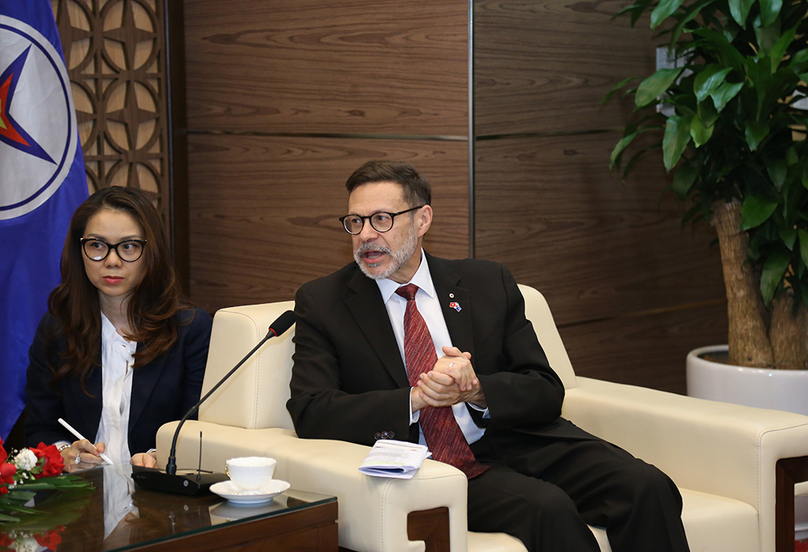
[{"x": 444, "y": 437}]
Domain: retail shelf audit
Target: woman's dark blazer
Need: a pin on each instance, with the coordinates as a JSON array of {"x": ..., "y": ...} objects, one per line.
[{"x": 162, "y": 390}]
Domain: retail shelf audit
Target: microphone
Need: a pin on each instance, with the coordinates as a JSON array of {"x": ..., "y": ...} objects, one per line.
[{"x": 199, "y": 483}]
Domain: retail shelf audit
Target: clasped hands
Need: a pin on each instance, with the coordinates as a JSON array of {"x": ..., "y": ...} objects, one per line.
[{"x": 451, "y": 381}]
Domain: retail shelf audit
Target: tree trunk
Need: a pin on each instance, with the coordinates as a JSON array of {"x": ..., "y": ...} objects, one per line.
[
  {"x": 748, "y": 340},
  {"x": 789, "y": 334}
]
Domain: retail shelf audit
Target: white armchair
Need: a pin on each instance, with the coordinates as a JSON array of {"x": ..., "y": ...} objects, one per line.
[{"x": 735, "y": 466}]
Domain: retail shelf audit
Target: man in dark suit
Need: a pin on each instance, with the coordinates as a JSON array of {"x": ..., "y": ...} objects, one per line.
[{"x": 404, "y": 345}]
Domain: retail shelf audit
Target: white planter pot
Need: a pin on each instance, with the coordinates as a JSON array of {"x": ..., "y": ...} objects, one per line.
[{"x": 773, "y": 389}]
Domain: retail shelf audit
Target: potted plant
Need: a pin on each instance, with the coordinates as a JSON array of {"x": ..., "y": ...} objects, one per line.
[{"x": 734, "y": 141}]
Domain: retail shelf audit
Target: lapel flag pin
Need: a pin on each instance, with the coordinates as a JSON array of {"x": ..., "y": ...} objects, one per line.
[{"x": 455, "y": 305}]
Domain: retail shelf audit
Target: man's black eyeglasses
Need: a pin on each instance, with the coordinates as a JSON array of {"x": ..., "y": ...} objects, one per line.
[{"x": 381, "y": 222}]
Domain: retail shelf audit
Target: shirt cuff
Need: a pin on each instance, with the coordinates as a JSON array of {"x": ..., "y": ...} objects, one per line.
[
  {"x": 486, "y": 414},
  {"x": 414, "y": 416}
]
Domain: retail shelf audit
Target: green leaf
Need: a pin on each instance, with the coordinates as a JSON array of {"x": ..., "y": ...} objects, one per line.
[
  {"x": 683, "y": 179},
  {"x": 655, "y": 85},
  {"x": 739, "y": 10},
  {"x": 773, "y": 270},
  {"x": 803, "y": 245},
  {"x": 663, "y": 10},
  {"x": 690, "y": 14},
  {"x": 728, "y": 55},
  {"x": 769, "y": 10},
  {"x": 780, "y": 47},
  {"x": 789, "y": 237},
  {"x": 636, "y": 10},
  {"x": 700, "y": 132},
  {"x": 755, "y": 133},
  {"x": 755, "y": 211},
  {"x": 677, "y": 135},
  {"x": 799, "y": 61},
  {"x": 707, "y": 113},
  {"x": 804, "y": 179},
  {"x": 759, "y": 75},
  {"x": 766, "y": 35},
  {"x": 617, "y": 152},
  {"x": 724, "y": 95},
  {"x": 708, "y": 80},
  {"x": 792, "y": 157},
  {"x": 615, "y": 90},
  {"x": 777, "y": 169}
]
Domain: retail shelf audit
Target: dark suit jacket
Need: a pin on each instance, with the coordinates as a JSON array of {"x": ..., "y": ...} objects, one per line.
[
  {"x": 349, "y": 382},
  {"x": 162, "y": 390}
]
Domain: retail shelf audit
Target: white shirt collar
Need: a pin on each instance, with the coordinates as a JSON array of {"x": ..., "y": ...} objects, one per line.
[
  {"x": 422, "y": 279},
  {"x": 110, "y": 335}
]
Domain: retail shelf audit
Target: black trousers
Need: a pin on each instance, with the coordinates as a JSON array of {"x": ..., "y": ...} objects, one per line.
[{"x": 545, "y": 491}]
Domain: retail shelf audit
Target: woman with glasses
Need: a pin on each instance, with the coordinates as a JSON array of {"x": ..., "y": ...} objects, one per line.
[{"x": 118, "y": 353}]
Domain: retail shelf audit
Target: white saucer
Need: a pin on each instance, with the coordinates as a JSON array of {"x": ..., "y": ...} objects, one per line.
[{"x": 235, "y": 495}]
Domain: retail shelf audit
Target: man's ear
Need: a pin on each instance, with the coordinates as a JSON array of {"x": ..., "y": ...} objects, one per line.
[{"x": 424, "y": 220}]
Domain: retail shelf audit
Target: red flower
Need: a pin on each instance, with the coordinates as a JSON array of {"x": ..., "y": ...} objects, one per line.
[
  {"x": 6, "y": 542},
  {"x": 51, "y": 539},
  {"x": 53, "y": 460},
  {"x": 7, "y": 472}
]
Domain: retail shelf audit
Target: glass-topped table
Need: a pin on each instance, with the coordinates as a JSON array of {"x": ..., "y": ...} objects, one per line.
[{"x": 118, "y": 516}]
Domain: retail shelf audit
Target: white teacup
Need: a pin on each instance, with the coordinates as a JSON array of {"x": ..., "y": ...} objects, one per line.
[{"x": 250, "y": 472}]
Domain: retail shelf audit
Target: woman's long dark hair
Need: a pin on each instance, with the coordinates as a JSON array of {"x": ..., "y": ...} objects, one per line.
[{"x": 153, "y": 304}]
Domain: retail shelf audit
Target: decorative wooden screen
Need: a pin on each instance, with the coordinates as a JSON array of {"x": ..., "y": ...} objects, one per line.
[{"x": 115, "y": 54}]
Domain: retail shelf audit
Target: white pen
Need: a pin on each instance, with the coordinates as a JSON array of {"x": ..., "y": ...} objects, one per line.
[{"x": 79, "y": 436}]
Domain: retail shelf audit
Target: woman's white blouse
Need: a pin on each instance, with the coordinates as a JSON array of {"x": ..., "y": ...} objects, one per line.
[{"x": 116, "y": 372}]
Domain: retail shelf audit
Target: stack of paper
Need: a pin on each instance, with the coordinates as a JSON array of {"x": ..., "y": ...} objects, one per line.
[{"x": 397, "y": 459}]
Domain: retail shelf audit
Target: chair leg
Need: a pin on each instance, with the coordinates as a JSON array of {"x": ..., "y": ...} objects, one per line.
[
  {"x": 430, "y": 526},
  {"x": 788, "y": 472}
]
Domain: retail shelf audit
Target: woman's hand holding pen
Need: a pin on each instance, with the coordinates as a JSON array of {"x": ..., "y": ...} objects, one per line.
[
  {"x": 82, "y": 454},
  {"x": 82, "y": 451}
]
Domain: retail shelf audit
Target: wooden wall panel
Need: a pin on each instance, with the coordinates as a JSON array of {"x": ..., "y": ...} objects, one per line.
[
  {"x": 286, "y": 98},
  {"x": 264, "y": 210},
  {"x": 543, "y": 66},
  {"x": 620, "y": 273},
  {"x": 597, "y": 247},
  {"x": 325, "y": 66},
  {"x": 647, "y": 350}
]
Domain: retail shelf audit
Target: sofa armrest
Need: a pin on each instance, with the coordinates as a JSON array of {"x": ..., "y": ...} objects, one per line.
[
  {"x": 373, "y": 511},
  {"x": 708, "y": 446}
]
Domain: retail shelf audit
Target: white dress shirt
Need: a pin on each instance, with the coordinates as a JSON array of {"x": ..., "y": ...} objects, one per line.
[
  {"x": 116, "y": 374},
  {"x": 428, "y": 304}
]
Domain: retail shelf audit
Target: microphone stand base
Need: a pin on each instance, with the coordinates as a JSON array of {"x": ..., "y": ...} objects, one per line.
[{"x": 186, "y": 483}]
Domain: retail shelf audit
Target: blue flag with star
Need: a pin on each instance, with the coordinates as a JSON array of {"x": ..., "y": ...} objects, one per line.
[{"x": 42, "y": 181}]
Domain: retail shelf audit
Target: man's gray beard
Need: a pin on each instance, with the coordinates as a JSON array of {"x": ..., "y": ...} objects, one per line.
[{"x": 399, "y": 258}]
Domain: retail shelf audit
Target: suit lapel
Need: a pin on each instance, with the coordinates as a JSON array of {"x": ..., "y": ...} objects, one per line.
[
  {"x": 92, "y": 413},
  {"x": 144, "y": 379},
  {"x": 455, "y": 304},
  {"x": 370, "y": 315}
]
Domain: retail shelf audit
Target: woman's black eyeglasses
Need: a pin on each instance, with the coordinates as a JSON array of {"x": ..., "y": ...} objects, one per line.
[{"x": 127, "y": 250}]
